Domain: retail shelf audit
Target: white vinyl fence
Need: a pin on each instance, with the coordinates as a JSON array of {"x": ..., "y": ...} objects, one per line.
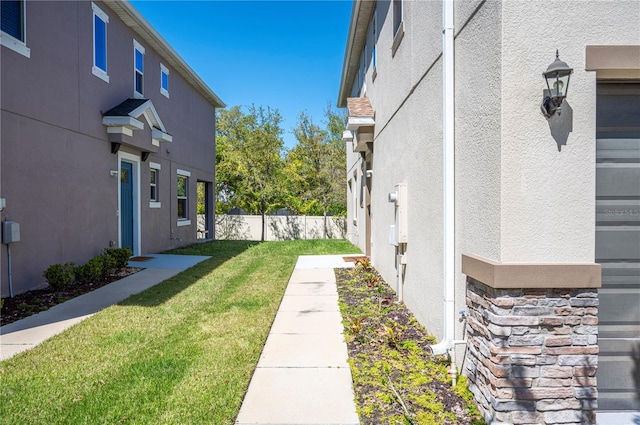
[{"x": 278, "y": 227}]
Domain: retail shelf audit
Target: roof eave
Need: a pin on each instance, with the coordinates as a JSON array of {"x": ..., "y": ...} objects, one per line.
[
  {"x": 356, "y": 38},
  {"x": 132, "y": 18}
]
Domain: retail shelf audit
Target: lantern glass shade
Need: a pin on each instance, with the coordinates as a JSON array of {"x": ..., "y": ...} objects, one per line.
[{"x": 557, "y": 77}]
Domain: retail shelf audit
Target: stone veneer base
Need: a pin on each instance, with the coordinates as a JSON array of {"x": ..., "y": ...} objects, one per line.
[{"x": 532, "y": 353}]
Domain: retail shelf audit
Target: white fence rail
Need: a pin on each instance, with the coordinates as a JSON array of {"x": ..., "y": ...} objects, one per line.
[{"x": 278, "y": 228}]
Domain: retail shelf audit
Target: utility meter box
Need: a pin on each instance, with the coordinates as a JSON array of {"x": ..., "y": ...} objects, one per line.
[
  {"x": 401, "y": 213},
  {"x": 10, "y": 232}
]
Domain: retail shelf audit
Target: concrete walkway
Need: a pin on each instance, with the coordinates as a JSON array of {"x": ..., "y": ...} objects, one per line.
[
  {"x": 25, "y": 334},
  {"x": 302, "y": 376}
]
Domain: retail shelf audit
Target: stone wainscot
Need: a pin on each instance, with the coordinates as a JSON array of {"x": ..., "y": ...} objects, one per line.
[{"x": 532, "y": 341}]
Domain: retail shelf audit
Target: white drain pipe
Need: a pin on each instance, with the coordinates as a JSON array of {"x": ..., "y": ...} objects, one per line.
[{"x": 448, "y": 138}]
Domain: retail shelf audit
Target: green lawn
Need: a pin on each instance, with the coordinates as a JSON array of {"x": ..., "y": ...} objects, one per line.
[{"x": 181, "y": 352}]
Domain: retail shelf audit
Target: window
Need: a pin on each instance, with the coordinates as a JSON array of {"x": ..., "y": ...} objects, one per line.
[
  {"x": 398, "y": 26},
  {"x": 164, "y": 80},
  {"x": 353, "y": 183},
  {"x": 138, "y": 69},
  {"x": 397, "y": 16},
  {"x": 153, "y": 178},
  {"x": 100, "y": 21},
  {"x": 13, "y": 26},
  {"x": 154, "y": 195},
  {"x": 362, "y": 86},
  {"x": 183, "y": 197},
  {"x": 374, "y": 25}
]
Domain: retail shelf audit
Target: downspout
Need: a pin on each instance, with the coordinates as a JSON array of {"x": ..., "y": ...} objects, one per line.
[{"x": 448, "y": 140}]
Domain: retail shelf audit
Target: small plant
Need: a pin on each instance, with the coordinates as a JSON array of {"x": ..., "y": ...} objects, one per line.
[
  {"x": 120, "y": 255},
  {"x": 391, "y": 333},
  {"x": 363, "y": 263},
  {"x": 355, "y": 324},
  {"x": 91, "y": 271},
  {"x": 60, "y": 276},
  {"x": 373, "y": 280}
]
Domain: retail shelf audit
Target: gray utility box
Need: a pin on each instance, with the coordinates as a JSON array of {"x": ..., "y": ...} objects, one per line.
[{"x": 10, "y": 232}]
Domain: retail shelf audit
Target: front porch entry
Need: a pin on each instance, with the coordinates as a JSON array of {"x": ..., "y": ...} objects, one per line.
[{"x": 129, "y": 202}]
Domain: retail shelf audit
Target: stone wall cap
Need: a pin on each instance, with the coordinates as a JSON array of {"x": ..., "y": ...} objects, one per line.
[{"x": 531, "y": 275}]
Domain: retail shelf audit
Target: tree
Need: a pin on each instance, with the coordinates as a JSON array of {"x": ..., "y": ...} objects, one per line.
[
  {"x": 316, "y": 167},
  {"x": 305, "y": 170},
  {"x": 249, "y": 160},
  {"x": 337, "y": 162}
]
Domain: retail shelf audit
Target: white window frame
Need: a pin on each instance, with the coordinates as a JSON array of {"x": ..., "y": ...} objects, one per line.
[
  {"x": 98, "y": 72},
  {"x": 164, "y": 71},
  {"x": 137, "y": 47},
  {"x": 10, "y": 42},
  {"x": 154, "y": 168},
  {"x": 187, "y": 175}
]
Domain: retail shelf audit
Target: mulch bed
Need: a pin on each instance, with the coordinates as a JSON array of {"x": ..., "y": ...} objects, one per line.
[
  {"x": 32, "y": 302},
  {"x": 396, "y": 378}
]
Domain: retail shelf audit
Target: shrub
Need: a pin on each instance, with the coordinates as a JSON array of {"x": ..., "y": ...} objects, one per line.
[
  {"x": 59, "y": 276},
  {"x": 108, "y": 265},
  {"x": 91, "y": 271},
  {"x": 120, "y": 255}
]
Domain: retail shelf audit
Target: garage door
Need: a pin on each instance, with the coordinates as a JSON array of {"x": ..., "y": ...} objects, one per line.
[{"x": 618, "y": 244}]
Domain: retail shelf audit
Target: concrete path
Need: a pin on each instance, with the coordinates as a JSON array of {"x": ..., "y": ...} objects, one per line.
[
  {"x": 25, "y": 334},
  {"x": 302, "y": 376}
]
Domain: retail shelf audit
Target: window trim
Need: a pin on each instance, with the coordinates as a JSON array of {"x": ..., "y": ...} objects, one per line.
[
  {"x": 154, "y": 168},
  {"x": 187, "y": 175},
  {"x": 15, "y": 44},
  {"x": 137, "y": 47},
  {"x": 164, "y": 71},
  {"x": 96, "y": 70}
]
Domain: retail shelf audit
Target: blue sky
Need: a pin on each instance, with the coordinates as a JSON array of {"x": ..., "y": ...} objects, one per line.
[{"x": 283, "y": 54}]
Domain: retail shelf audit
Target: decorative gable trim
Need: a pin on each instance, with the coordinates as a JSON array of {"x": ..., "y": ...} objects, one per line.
[{"x": 124, "y": 120}]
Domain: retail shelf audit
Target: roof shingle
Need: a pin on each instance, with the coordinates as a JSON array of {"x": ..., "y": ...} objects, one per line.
[{"x": 360, "y": 107}]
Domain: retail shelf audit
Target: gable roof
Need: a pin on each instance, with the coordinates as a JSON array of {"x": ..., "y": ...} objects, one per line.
[
  {"x": 126, "y": 108},
  {"x": 132, "y": 18},
  {"x": 360, "y": 107},
  {"x": 125, "y": 117}
]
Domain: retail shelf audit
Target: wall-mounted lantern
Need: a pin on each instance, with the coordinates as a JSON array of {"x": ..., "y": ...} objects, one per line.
[{"x": 557, "y": 77}]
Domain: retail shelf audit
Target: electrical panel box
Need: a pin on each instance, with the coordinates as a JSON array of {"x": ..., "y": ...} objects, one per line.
[
  {"x": 10, "y": 232},
  {"x": 393, "y": 235},
  {"x": 401, "y": 213}
]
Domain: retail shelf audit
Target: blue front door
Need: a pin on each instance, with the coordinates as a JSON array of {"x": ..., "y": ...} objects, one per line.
[{"x": 126, "y": 205}]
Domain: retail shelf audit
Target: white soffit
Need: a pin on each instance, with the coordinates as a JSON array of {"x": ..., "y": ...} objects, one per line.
[
  {"x": 127, "y": 122},
  {"x": 354, "y": 123}
]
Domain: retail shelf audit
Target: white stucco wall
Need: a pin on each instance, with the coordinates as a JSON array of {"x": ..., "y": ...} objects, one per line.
[
  {"x": 518, "y": 197},
  {"x": 548, "y": 212}
]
